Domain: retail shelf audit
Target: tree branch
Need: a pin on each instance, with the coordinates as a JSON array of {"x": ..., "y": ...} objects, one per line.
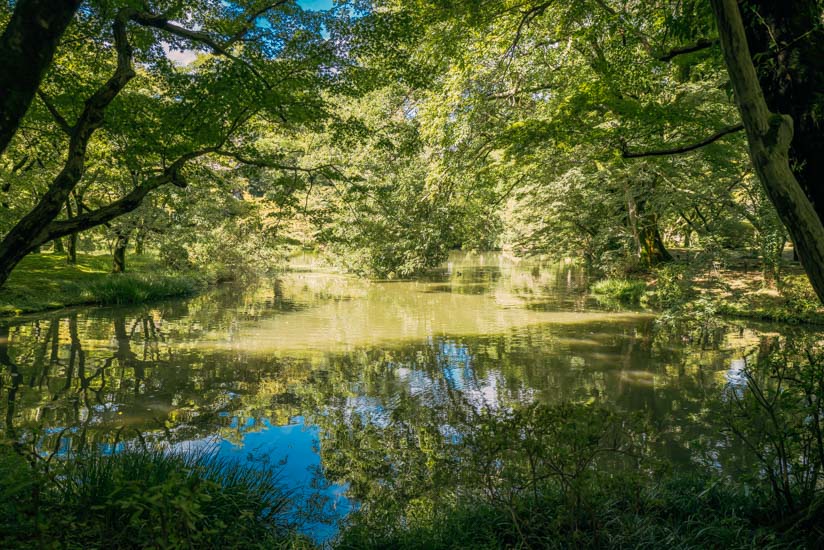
[
  {"x": 683, "y": 148},
  {"x": 700, "y": 44},
  {"x": 326, "y": 170},
  {"x": 526, "y": 18},
  {"x": 65, "y": 126},
  {"x": 105, "y": 214},
  {"x": 127, "y": 203},
  {"x": 161, "y": 22}
]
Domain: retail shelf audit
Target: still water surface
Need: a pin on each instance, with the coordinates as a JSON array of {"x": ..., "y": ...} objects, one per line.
[{"x": 269, "y": 373}]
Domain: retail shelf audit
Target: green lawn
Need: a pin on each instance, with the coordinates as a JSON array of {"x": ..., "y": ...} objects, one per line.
[{"x": 46, "y": 281}]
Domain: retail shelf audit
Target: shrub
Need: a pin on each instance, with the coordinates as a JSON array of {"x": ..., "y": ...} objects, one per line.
[
  {"x": 672, "y": 288},
  {"x": 776, "y": 408}
]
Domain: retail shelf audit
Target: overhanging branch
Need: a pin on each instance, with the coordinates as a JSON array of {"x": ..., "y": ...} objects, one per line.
[
  {"x": 679, "y": 150},
  {"x": 127, "y": 203},
  {"x": 700, "y": 44}
]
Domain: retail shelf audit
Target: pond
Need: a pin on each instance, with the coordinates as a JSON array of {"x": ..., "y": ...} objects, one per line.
[{"x": 272, "y": 373}]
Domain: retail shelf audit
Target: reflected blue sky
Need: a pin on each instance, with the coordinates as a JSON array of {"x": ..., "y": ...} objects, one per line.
[
  {"x": 293, "y": 450},
  {"x": 295, "y": 447}
]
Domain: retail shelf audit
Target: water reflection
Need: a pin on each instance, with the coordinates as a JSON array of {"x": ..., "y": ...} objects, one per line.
[{"x": 282, "y": 372}]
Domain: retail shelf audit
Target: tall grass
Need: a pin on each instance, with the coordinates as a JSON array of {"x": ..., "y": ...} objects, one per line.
[
  {"x": 131, "y": 288},
  {"x": 677, "y": 512},
  {"x": 144, "y": 498}
]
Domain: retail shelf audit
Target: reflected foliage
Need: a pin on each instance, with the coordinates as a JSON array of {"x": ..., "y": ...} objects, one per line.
[
  {"x": 544, "y": 477},
  {"x": 778, "y": 413}
]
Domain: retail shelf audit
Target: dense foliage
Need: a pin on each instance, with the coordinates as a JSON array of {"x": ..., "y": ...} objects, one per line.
[
  {"x": 671, "y": 146},
  {"x": 385, "y": 134}
]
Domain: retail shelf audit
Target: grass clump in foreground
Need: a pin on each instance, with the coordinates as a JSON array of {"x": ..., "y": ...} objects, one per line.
[
  {"x": 46, "y": 281},
  {"x": 679, "y": 512},
  {"x": 623, "y": 291},
  {"x": 142, "y": 499}
]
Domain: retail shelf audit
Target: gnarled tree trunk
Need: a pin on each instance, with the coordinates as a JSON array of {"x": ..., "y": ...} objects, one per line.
[
  {"x": 786, "y": 39},
  {"x": 770, "y": 134},
  {"x": 652, "y": 245}
]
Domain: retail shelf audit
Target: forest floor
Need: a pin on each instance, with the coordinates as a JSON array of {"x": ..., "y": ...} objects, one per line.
[
  {"x": 46, "y": 281},
  {"x": 738, "y": 288}
]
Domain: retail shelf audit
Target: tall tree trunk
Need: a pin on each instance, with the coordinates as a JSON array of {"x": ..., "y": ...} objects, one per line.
[
  {"x": 58, "y": 246},
  {"x": 27, "y": 47},
  {"x": 71, "y": 255},
  {"x": 770, "y": 136},
  {"x": 119, "y": 253},
  {"x": 654, "y": 251},
  {"x": 139, "y": 242},
  {"x": 652, "y": 245},
  {"x": 632, "y": 223}
]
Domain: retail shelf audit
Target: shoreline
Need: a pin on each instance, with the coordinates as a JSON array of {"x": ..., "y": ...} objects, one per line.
[{"x": 45, "y": 283}]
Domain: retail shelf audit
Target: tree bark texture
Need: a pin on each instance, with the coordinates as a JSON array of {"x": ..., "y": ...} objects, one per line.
[{"x": 770, "y": 138}]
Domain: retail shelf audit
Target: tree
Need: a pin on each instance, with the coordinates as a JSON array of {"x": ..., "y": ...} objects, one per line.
[
  {"x": 266, "y": 61},
  {"x": 27, "y": 47},
  {"x": 561, "y": 106},
  {"x": 790, "y": 169}
]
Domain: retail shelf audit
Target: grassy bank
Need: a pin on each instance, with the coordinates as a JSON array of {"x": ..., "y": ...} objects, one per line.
[
  {"x": 734, "y": 291},
  {"x": 46, "y": 281}
]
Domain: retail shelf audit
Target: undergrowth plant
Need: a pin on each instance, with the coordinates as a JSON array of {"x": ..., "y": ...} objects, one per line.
[
  {"x": 776, "y": 409},
  {"x": 142, "y": 498}
]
